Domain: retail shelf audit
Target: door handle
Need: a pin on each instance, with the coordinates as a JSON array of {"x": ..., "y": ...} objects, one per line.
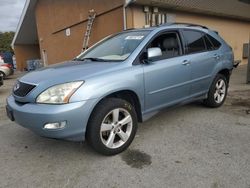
[
  {"x": 216, "y": 56},
  {"x": 186, "y": 62}
]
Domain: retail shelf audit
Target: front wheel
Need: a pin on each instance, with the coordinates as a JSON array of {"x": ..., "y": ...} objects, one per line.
[
  {"x": 218, "y": 92},
  {"x": 112, "y": 126}
]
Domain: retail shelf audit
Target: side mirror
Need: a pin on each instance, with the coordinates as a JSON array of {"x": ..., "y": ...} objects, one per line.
[{"x": 153, "y": 53}]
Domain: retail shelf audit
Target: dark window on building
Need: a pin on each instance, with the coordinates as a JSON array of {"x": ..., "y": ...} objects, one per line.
[
  {"x": 215, "y": 42},
  {"x": 245, "y": 50},
  {"x": 194, "y": 41}
]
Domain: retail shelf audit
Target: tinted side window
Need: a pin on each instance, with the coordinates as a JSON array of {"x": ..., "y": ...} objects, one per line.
[
  {"x": 215, "y": 42},
  {"x": 194, "y": 40}
]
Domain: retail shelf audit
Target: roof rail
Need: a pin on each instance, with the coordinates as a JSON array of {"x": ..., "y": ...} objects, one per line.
[{"x": 180, "y": 23}]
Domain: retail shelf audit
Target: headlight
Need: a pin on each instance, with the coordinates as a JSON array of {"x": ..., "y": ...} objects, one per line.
[{"x": 59, "y": 94}]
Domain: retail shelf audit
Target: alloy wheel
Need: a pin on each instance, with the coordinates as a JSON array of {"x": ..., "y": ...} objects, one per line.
[
  {"x": 116, "y": 128},
  {"x": 220, "y": 91}
]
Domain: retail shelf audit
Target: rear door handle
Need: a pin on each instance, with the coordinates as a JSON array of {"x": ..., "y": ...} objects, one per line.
[
  {"x": 186, "y": 62},
  {"x": 216, "y": 56}
]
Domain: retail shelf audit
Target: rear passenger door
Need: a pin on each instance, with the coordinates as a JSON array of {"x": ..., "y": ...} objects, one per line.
[{"x": 201, "y": 59}]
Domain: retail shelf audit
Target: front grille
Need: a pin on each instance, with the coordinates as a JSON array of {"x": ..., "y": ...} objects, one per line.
[{"x": 22, "y": 89}]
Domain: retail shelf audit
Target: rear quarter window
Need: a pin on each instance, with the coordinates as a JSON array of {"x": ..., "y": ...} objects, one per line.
[
  {"x": 216, "y": 43},
  {"x": 209, "y": 44}
]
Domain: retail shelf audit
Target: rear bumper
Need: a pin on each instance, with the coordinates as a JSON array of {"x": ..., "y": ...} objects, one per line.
[
  {"x": 35, "y": 116},
  {"x": 236, "y": 63}
]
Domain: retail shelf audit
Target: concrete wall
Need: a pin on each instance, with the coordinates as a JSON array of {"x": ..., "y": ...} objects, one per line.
[
  {"x": 54, "y": 17},
  {"x": 24, "y": 53},
  {"x": 235, "y": 32}
]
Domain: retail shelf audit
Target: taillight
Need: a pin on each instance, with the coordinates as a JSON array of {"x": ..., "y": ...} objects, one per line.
[{"x": 7, "y": 65}]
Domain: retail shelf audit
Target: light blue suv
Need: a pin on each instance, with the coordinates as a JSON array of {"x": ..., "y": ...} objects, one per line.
[{"x": 125, "y": 78}]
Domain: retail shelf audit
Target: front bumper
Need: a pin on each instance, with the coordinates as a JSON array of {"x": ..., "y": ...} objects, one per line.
[{"x": 35, "y": 116}]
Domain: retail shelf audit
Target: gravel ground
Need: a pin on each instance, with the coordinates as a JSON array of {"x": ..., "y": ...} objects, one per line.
[{"x": 190, "y": 146}]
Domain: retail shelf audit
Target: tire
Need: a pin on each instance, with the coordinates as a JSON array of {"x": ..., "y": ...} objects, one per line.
[
  {"x": 218, "y": 92},
  {"x": 112, "y": 126},
  {"x": 4, "y": 75}
]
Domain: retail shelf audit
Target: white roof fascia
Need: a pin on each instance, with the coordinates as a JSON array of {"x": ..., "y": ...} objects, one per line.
[{"x": 25, "y": 9}]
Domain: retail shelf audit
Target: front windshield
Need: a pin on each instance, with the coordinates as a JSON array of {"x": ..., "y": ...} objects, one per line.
[{"x": 116, "y": 48}]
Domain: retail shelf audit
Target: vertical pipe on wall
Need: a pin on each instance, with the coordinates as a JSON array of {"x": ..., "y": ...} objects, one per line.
[
  {"x": 126, "y": 4},
  {"x": 248, "y": 65},
  {"x": 147, "y": 15}
]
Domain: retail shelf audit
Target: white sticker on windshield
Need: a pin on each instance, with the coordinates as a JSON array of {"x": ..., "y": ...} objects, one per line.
[{"x": 134, "y": 37}]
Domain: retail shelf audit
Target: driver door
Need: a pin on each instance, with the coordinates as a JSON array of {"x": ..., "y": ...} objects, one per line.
[{"x": 167, "y": 77}]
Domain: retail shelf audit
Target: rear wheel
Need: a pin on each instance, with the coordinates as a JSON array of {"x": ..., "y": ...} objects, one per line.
[
  {"x": 218, "y": 92},
  {"x": 112, "y": 126}
]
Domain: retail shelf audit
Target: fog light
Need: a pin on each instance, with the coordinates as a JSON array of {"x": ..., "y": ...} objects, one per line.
[{"x": 58, "y": 125}]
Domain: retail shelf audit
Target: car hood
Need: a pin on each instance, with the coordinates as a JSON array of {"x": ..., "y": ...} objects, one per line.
[{"x": 69, "y": 71}]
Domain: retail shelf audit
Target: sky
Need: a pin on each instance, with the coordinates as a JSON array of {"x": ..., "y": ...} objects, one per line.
[{"x": 10, "y": 12}]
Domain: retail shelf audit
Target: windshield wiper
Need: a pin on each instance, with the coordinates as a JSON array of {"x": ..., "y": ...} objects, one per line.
[{"x": 91, "y": 59}]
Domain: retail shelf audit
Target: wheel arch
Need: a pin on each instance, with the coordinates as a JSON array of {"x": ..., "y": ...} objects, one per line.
[
  {"x": 131, "y": 97},
  {"x": 226, "y": 73},
  {"x": 3, "y": 73},
  {"x": 127, "y": 95}
]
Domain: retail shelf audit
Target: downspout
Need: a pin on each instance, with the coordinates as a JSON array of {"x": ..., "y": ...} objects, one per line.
[{"x": 126, "y": 4}]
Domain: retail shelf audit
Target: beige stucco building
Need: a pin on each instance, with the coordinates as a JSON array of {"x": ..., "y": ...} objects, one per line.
[{"x": 53, "y": 30}]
